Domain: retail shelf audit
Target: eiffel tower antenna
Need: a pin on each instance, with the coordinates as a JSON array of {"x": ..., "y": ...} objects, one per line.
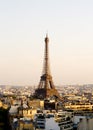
[{"x": 46, "y": 86}]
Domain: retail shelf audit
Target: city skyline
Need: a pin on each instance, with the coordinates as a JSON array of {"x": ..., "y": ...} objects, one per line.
[{"x": 23, "y": 27}]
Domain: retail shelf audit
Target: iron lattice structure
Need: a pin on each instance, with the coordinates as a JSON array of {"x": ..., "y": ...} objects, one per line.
[{"x": 46, "y": 86}]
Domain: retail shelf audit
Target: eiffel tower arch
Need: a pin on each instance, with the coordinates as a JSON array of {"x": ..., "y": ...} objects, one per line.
[{"x": 46, "y": 87}]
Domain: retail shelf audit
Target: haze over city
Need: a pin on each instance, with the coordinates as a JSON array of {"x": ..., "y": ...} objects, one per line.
[{"x": 23, "y": 27}]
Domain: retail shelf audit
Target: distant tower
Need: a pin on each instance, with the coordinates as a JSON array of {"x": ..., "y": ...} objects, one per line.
[{"x": 46, "y": 87}]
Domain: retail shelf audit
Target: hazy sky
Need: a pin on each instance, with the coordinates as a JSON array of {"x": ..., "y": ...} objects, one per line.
[{"x": 23, "y": 26}]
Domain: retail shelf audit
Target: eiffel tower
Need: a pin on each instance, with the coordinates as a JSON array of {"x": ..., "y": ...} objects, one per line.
[{"x": 46, "y": 86}]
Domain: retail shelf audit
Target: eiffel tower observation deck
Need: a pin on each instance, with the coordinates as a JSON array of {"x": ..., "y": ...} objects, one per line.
[{"x": 46, "y": 87}]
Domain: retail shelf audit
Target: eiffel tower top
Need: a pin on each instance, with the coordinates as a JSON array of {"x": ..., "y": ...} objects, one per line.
[
  {"x": 46, "y": 39},
  {"x": 46, "y": 67}
]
